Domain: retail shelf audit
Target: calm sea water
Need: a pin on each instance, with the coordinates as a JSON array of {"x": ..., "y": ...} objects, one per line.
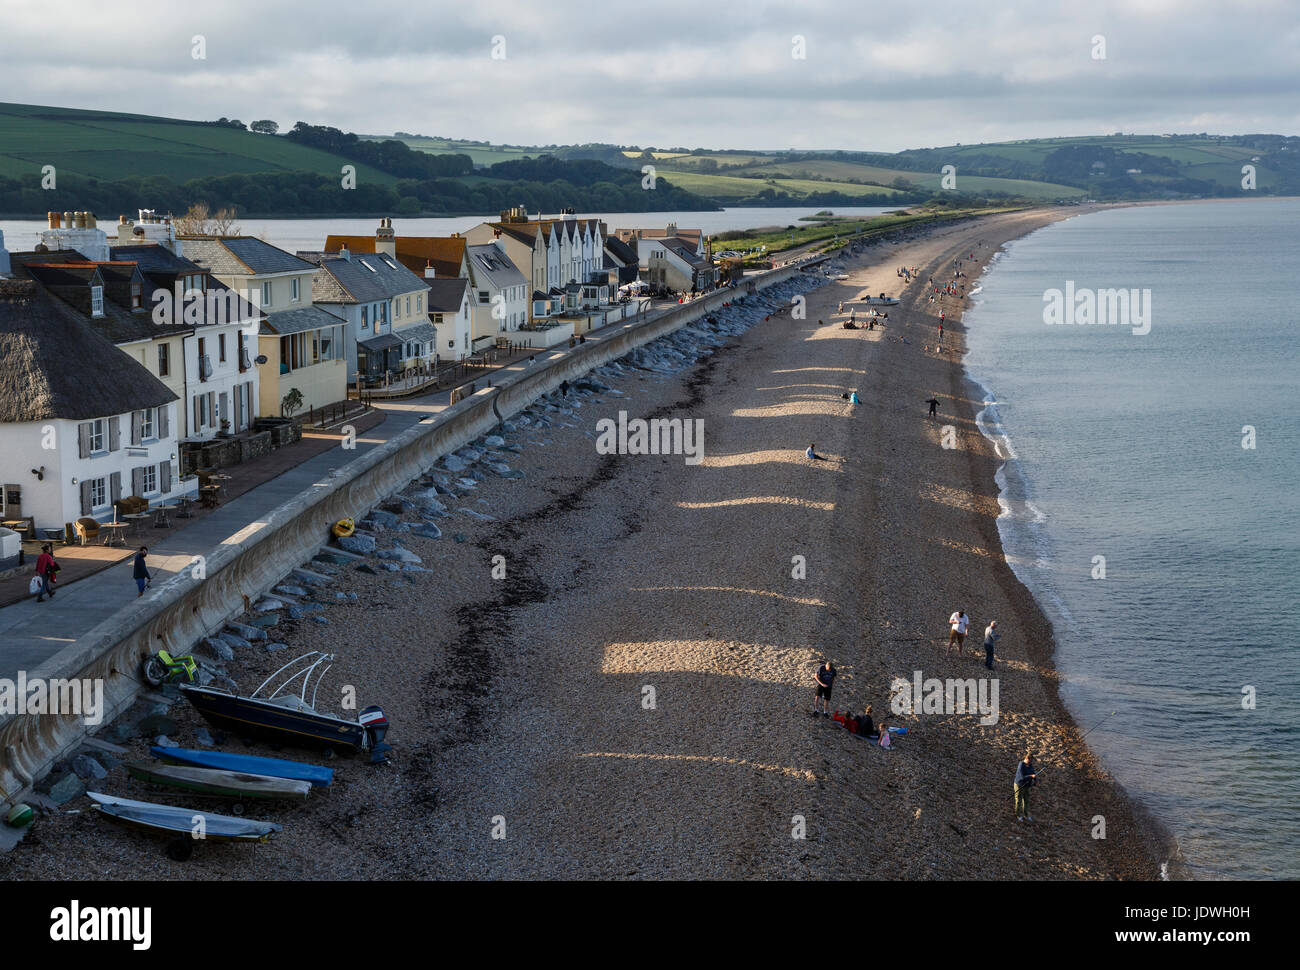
[
  {"x": 1131, "y": 448},
  {"x": 296, "y": 234}
]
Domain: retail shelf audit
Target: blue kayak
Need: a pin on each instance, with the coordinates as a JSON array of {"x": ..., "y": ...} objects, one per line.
[{"x": 251, "y": 764}]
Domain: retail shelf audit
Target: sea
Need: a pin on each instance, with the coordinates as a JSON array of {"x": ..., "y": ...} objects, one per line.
[
  {"x": 309, "y": 234},
  {"x": 1150, "y": 504}
]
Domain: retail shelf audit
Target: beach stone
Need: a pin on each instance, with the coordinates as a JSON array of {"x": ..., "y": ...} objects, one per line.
[
  {"x": 426, "y": 530},
  {"x": 471, "y": 455},
  {"x": 366, "y": 568},
  {"x": 498, "y": 468},
  {"x": 320, "y": 619},
  {"x": 269, "y": 620},
  {"x": 203, "y": 678},
  {"x": 454, "y": 463},
  {"x": 370, "y": 525},
  {"x": 276, "y": 647},
  {"x": 250, "y": 633},
  {"x": 390, "y": 567},
  {"x": 155, "y": 724},
  {"x": 359, "y": 543},
  {"x": 88, "y": 768},
  {"x": 478, "y": 515},
  {"x": 459, "y": 537},
  {"x": 331, "y": 557},
  {"x": 398, "y": 554},
  {"x": 268, "y": 603},
  {"x": 494, "y": 441},
  {"x": 163, "y": 741},
  {"x": 203, "y": 737},
  {"x": 467, "y": 483},
  {"x": 386, "y": 519},
  {"x": 509, "y": 426},
  {"x": 306, "y": 609},
  {"x": 290, "y": 590},
  {"x": 217, "y": 649},
  {"x": 309, "y": 578},
  {"x": 234, "y": 640},
  {"x": 66, "y": 789},
  {"x": 408, "y": 568}
]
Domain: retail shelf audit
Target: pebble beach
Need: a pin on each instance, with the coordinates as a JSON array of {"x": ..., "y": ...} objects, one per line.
[{"x": 600, "y": 666}]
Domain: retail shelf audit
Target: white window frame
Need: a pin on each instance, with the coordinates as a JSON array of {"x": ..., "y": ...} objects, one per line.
[
  {"x": 99, "y": 437},
  {"x": 150, "y": 479},
  {"x": 98, "y": 489},
  {"x": 148, "y": 424},
  {"x": 96, "y": 301},
  {"x": 267, "y": 292},
  {"x": 295, "y": 285}
]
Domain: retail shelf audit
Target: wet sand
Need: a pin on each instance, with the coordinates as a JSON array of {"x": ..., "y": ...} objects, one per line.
[{"x": 632, "y": 700}]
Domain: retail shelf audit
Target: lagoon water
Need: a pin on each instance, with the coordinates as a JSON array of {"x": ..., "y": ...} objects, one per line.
[
  {"x": 309, "y": 234},
  {"x": 1130, "y": 447}
]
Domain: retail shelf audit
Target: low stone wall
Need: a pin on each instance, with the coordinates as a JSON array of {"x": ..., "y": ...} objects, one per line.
[{"x": 188, "y": 607}]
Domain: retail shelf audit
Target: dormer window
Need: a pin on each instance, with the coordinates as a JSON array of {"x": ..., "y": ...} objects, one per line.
[
  {"x": 137, "y": 297},
  {"x": 96, "y": 301}
]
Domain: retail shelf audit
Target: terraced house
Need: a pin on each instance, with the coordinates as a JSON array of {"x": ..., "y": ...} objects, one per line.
[
  {"x": 82, "y": 425},
  {"x": 385, "y": 307},
  {"x": 300, "y": 346}
]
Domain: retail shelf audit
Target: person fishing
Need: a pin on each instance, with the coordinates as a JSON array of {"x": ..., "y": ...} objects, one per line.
[
  {"x": 1026, "y": 774},
  {"x": 991, "y": 638}
]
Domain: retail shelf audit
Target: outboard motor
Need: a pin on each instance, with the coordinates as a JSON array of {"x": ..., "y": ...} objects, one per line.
[{"x": 376, "y": 725}]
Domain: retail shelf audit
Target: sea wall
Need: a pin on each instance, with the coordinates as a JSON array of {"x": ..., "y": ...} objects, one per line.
[{"x": 204, "y": 597}]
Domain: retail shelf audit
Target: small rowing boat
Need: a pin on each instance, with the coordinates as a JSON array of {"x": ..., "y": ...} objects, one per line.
[
  {"x": 151, "y": 817},
  {"x": 246, "y": 763},
  {"x": 216, "y": 781}
]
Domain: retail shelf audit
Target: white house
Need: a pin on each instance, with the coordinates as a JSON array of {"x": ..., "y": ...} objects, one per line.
[
  {"x": 500, "y": 295},
  {"x": 450, "y": 315},
  {"x": 81, "y": 424}
]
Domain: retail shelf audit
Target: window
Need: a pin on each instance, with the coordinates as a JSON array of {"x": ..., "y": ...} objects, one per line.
[
  {"x": 98, "y": 439},
  {"x": 294, "y": 285},
  {"x": 382, "y": 308},
  {"x": 98, "y": 493},
  {"x": 408, "y": 306},
  {"x": 266, "y": 293},
  {"x": 164, "y": 362},
  {"x": 419, "y": 304},
  {"x": 137, "y": 296},
  {"x": 147, "y": 423},
  {"x": 96, "y": 301},
  {"x": 483, "y": 298},
  {"x": 150, "y": 479},
  {"x": 221, "y": 347},
  {"x": 437, "y": 318},
  {"x": 365, "y": 318}
]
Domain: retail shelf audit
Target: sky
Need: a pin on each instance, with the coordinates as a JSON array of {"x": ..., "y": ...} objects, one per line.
[{"x": 676, "y": 73}]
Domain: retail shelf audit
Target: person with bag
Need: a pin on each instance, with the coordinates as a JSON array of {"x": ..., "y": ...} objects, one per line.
[{"x": 46, "y": 568}]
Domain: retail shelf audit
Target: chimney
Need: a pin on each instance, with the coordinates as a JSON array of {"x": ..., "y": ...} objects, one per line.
[
  {"x": 345, "y": 253},
  {"x": 429, "y": 272},
  {"x": 385, "y": 238},
  {"x": 54, "y": 218},
  {"x": 672, "y": 229}
]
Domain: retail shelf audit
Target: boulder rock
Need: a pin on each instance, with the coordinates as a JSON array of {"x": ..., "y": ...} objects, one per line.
[
  {"x": 249, "y": 633},
  {"x": 398, "y": 554},
  {"x": 360, "y": 543},
  {"x": 217, "y": 648},
  {"x": 87, "y": 768},
  {"x": 66, "y": 789}
]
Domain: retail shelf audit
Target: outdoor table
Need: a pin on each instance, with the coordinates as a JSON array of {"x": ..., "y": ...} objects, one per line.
[
  {"x": 162, "y": 519},
  {"x": 211, "y": 495},
  {"x": 114, "y": 533},
  {"x": 136, "y": 519},
  {"x": 187, "y": 507}
]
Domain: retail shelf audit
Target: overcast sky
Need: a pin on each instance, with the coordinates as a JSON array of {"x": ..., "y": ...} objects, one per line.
[{"x": 875, "y": 76}]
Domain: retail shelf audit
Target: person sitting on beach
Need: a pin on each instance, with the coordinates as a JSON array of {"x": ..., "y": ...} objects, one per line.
[
  {"x": 865, "y": 726},
  {"x": 811, "y": 453},
  {"x": 854, "y": 399},
  {"x": 884, "y": 736},
  {"x": 849, "y": 325}
]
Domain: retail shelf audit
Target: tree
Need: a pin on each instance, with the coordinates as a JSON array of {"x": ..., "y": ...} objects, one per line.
[
  {"x": 265, "y": 127},
  {"x": 198, "y": 220},
  {"x": 291, "y": 402}
]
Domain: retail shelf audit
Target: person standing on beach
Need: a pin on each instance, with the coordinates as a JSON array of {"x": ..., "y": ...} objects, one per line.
[
  {"x": 1025, "y": 776},
  {"x": 825, "y": 678},
  {"x": 959, "y": 622},
  {"x": 934, "y": 406},
  {"x": 991, "y": 638},
  {"x": 141, "y": 571}
]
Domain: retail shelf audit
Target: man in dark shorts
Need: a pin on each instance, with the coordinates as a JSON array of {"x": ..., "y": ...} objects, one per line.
[
  {"x": 934, "y": 405},
  {"x": 825, "y": 677}
]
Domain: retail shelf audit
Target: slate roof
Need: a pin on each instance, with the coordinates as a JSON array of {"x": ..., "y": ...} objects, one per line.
[
  {"x": 446, "y": 295},
  {"x": 490, "y": 263},
  {"x": 298, "y": 320},
  {"x": 361, "y": 278},
  {"x": 239, "y": 255}
]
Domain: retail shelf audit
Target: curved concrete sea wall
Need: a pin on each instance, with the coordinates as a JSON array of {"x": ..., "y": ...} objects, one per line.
[{"x": 263, "y": 553}]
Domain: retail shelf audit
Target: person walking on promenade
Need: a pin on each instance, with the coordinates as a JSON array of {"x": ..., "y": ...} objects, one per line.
[
  {"x": 959, "y": 622},
  {"x": 1025, "y": 776},
  {"x": 46, "y": 567},
  {"x": 141, "y": 571},
  {"x": 825, "y": 678},
  {"x": 934, "y": 406},
  {"x": 991, "y": 638}
]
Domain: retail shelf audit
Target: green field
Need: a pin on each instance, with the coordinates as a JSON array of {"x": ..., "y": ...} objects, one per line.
[
  {"x": 109, "y": 146},
  {"x": 723, "y": 187},
  {"x": 480, "y": 153}
]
